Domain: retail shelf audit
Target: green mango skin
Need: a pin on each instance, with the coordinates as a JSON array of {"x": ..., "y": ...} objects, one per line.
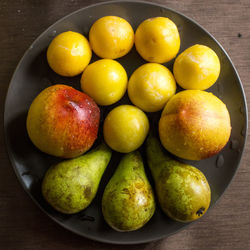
[
  {"x": 71, "y": 185},
  {"x": 182, "y": 190},
  {"x": 128, "y": 200}
]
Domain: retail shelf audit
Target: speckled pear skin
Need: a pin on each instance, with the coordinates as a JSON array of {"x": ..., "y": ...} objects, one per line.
[
  {"x": 182, "y": 190},
  {"x": 71, "y": 185},
  {"x": 128, "y": 200}
]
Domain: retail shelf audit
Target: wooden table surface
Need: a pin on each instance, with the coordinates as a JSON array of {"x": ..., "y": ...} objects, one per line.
[{"x": 24, "y": 226}]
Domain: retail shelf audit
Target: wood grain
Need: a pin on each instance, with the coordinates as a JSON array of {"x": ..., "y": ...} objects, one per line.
[{"x": 24, "y": 226}]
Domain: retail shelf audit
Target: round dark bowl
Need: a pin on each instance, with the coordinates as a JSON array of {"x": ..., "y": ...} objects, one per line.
[{"x": 33, "y": 74}]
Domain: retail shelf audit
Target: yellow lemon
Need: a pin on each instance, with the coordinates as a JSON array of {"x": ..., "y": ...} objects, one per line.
[
  {"x": 125, "y": 128},
  {"x": 157, "y": 40},
  {"x": 111, "y": 37},
  {"x": 69, "y": 53},
  {"x": 198, "y": 67},
  {"x": 151, "y": 86},
  {"x": 105, "y": 81}
]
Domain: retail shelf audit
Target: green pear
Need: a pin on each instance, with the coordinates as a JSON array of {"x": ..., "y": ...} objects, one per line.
[
  {"x": 182, "y": 190},
  {"x": 128, "y": 200},
  {"x": 71, "y": 185}
]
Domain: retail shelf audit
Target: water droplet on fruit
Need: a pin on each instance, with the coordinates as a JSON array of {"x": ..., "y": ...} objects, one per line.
[
  {"x": 234, "y": 144},
  {"x": 241, "y": 110},
  {"x": 29, "y": 178},
  {"x": 220, "y": 161},
  {"x": 162, "y": 10},
  {"x": 26, "y": 173},
  {"x": 63, "y": 217},
  {"x": 243, "y": 132},
  {"x": 52, "y": 34},
  {"x": 85, "y": 217}
]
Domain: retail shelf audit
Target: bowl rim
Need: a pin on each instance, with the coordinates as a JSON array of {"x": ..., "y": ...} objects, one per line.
[{"x": 11, "y": 158}]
